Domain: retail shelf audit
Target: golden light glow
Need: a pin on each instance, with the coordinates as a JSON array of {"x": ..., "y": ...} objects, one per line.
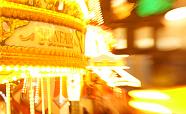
[
  {"x": 24, "y": 85},
  {"x": 111, "y": 67},
  {"x": 106, "y": 73},
  {"x": 74, "y": 87},
  {"x": 150, "y": 107},
  {"x": 8, "y": 68},
  {"x": 127, "y": 78},
  {"x": 174, "y": 43},
  {"x": 49, "y": 96},
  {"x": 144, "y": 40},
  {"x": 172, "y": 98},
  {"x": 31, "y": 98},
  {"x": 35, "y": 71},
  {"x": 115, "y": 3},
  {"x": 1, "y": 68},
  {"x": 91, "y": 42},
  {"x": 95, "y": 11},
  {"x": 121, "y": 8},
  {"x": 36, "y": 100},
  {"x": 149, "y": 94},
  {"x": 14, "y": 78},
  {"x": 5, "y": 81},
  {"x": 83, "y": 8},
  {"x": 42, "y": 96},
  {"x": 144, "y": 43},
  {"x": 61, "y": 5},
  {"x": 98, "y": 41},
  {"x": 176, "y": 14}
]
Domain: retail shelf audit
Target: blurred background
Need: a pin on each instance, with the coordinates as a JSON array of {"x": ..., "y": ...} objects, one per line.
[
  {"x": 153, "y": 36},
  {"x": 153, "y": 33}
]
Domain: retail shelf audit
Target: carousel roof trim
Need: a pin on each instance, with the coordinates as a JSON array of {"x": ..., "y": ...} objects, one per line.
[{"x": 25, "y": 12}]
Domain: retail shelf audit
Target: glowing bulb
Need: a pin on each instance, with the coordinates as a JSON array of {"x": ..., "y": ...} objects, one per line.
[
  {"x": 115, "y": 3},
  {"x": 30, "y": 68},
  {"x": 23, "y": 75},
  {"x": 14, "y": 78},
  {"x": 1, "y": 68},
  {"x": 58, "y": 69},
  {"x": 5, "y": 81},
  {"x": 176, "y": 14},
  {"x": 47, "y": 69},
  {"x": 8, "y": 68},
  {"x": 151, "y": 107},
  {"x": 16, "y": 68},
  {"x": 61, "y": 5},
  {"x": 42, "y": 69},
  {"x": 23, "y": 68},
  {"x": 148, "y": 94}
]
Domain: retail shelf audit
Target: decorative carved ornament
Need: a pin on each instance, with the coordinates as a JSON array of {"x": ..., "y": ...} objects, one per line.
[{"x": 57, "y": 38}]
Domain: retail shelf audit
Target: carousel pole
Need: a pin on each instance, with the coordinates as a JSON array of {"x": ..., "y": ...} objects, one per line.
[
  {"x": 31, "y": 95},
  {"x": 49, "y": 95},
  {"x": 8, "y": 108},
  {"x": 42, "y": 96}
]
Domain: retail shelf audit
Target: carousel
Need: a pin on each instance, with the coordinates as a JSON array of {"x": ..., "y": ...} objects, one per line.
[
  {"x": 42, "y": 61},
  {"x": 46, "y": 63}
]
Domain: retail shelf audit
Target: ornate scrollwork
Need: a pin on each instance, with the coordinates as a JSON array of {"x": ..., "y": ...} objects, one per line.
[
  {"x": 70, "y": 7},
  {"x": 8, "y": 26},
  {"x": 25, "y": 12}
]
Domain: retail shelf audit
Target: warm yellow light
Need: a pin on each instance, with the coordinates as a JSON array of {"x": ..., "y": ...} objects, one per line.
[
  {"x": 127, "y": 83},
  {"x": 144, "y": 43},
  {"x": 127, "y": 78},
  {"x": 174, "y": 43},
  {"x": 95, "y": 8},
  {"x": 61, "y": 6},
  {"x": 14, "y": 78},
  {"x": 36, "y": 71},
  {"x": 83, "y": 8},
  {"x": 111, "y": 67},
  {"x": 176, "y": 14},
  {"x": 98, "y": 41},
  {"x": 74, "y": 87},
  {"x": 148, "y": 94},
  {"x": 150, "y": 107},
  {"x": 5, "y": 81},
  {"x": 91, "y": 41},
  {"x": 106, "y": 73},
  {"x": 115, "y": 3},
  {"x": 1, "y": 68},
  {"x": 8, "y": 102},
  {"x": 23, "y": 68},
  {"x": 16, "y": 68},
  {"x": 8, "y": 68},
  {"x": 23, "y": 75}
]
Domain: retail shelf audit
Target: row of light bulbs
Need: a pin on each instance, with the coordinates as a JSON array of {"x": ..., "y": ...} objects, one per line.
[
  {"x": 40, "y": 68},
  {"x": 37, "y": 71}
]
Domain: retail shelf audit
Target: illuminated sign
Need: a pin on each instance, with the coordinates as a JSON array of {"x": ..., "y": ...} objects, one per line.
[{"x": 44, "y": 35}]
